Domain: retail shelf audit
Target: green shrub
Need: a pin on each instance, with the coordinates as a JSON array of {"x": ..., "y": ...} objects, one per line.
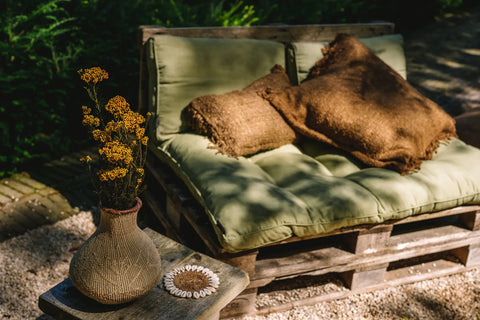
[
  {"x": 35, "y": 62},
  {"x": 44, "y": 42}
]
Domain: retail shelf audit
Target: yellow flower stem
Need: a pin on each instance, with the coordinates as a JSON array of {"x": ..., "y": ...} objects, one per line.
[
  {"x": 94, "y": 182},
  {"x": 94, "y": 97}
]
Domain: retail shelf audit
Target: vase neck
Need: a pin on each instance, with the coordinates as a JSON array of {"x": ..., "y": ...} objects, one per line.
[{"x": 118, "y": 223}]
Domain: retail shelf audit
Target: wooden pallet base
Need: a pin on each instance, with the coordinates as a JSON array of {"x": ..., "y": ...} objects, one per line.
[
  {"x": 401, "y": 276},
  {"x": 369, "y": 257}
]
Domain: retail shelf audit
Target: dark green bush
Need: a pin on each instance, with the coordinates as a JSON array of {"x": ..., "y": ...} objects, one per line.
[
  {"x": 35, "y": 66},
  {"x": 44, "y": 42}
]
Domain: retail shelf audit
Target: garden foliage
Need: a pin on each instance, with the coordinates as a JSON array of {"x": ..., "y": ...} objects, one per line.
[{"x": 44, "y": 42}]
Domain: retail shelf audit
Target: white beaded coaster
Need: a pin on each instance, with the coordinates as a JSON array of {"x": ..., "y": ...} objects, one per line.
[{"x": 191, "y": 281}]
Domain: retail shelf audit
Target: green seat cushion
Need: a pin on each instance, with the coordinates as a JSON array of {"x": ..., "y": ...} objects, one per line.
[
  {"x": 301, "y": 56},
  {"x": 181, "y": 69},
  {"x": 310, "y": 189},
  {"x": 243, "y": 203}
]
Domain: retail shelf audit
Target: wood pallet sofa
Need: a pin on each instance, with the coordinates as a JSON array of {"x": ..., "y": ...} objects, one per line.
[{"x": 297, "y": 203}]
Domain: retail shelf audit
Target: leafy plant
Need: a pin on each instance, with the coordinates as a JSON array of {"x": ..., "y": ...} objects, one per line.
[
  {"x": 237, "y": 15},
  {"x": 35, "y": 59}
]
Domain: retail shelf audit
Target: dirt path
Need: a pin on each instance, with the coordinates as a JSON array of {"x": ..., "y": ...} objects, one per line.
[{"x": 443, "y": 61}]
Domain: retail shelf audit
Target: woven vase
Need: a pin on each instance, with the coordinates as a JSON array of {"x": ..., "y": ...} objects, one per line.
[{"x": 119, "y": 262}]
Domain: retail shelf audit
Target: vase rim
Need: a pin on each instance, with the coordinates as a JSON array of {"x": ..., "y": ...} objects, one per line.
[{"x": 123, "y": 212}]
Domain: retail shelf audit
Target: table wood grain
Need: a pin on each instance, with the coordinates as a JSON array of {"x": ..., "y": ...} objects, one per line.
[{"x": 64, "y": 301}]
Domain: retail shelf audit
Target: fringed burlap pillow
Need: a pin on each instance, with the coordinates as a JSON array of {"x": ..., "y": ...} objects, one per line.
[
  {"x": 241, "y": 122},
  {"x": 354, "y": 101}
]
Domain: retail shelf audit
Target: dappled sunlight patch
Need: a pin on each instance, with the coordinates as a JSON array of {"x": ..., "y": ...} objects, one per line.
[
  {"x": 472, "y": 51},
  {"x": 455, "y": 64}
]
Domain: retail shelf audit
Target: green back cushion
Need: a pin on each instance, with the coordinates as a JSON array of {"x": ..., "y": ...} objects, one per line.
[
  {"x": 301, "y": 56},
  {"x": 181, "y": 69},
  {"x": 311, "y": 189}
]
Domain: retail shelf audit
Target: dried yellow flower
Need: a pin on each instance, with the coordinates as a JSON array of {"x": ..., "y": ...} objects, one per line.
[
  {"x": 132, "y": 121},
  {"x": 110, "y": 175},
  {"x": 102, "y": 136},
  {"x": 93, "y": 75},
  {"x": 90, "y": 121},
  {"x": 117, "y": 106},
  {"x": 121, "y": 144},
  {"x": 116, "y": 152},
  {"x": 139, "y": 133},
  {"x": 86, "y": 110}
]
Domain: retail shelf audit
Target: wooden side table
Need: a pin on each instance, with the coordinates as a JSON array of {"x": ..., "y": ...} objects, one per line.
[{"x": 64, "y": 301}]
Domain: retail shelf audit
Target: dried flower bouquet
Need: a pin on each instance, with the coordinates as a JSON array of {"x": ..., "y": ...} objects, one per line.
[{"x": 119, "y": 132}]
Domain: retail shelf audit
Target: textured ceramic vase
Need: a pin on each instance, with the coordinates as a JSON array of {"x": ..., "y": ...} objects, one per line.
[{"x": 119, "y": 262}]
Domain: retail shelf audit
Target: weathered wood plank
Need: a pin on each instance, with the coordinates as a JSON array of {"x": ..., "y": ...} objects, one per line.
[
  {"x": 65, "y": 302},
  {"x": 469, "y": 255},
  {"x": 471, "y": 220},
  {"x": 283, "y": 33},
  {"x": 244, "y": 304},
  {"x": 331, "y": 259},
  {"x": 408, "y": 274},
  {"x": 245, "y": 261},
  {"x": 426, "y": 237},
  {"x": 361, "y": 279},
  {"x": 369, "y": 240}
]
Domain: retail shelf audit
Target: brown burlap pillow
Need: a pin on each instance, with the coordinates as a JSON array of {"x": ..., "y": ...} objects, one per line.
[
  {"x": 354, "y": 101},
  {"x": 241, "y": 122}
]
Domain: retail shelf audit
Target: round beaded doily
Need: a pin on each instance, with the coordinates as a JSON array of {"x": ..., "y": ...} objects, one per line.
[{"x": 191, "y": 281}]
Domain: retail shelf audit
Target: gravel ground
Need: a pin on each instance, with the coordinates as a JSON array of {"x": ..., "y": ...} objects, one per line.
[{"x": 32, "y": 263}]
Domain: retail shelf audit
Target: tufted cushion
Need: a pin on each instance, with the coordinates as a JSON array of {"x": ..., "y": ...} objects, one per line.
[
  {"x": 302, "y": 55},
  {"x": 241, "y": 122},
  {"x": 181, "y": 69},
  {"x": 311, "y": 189},
  {"x": 354, "y": 101}
]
